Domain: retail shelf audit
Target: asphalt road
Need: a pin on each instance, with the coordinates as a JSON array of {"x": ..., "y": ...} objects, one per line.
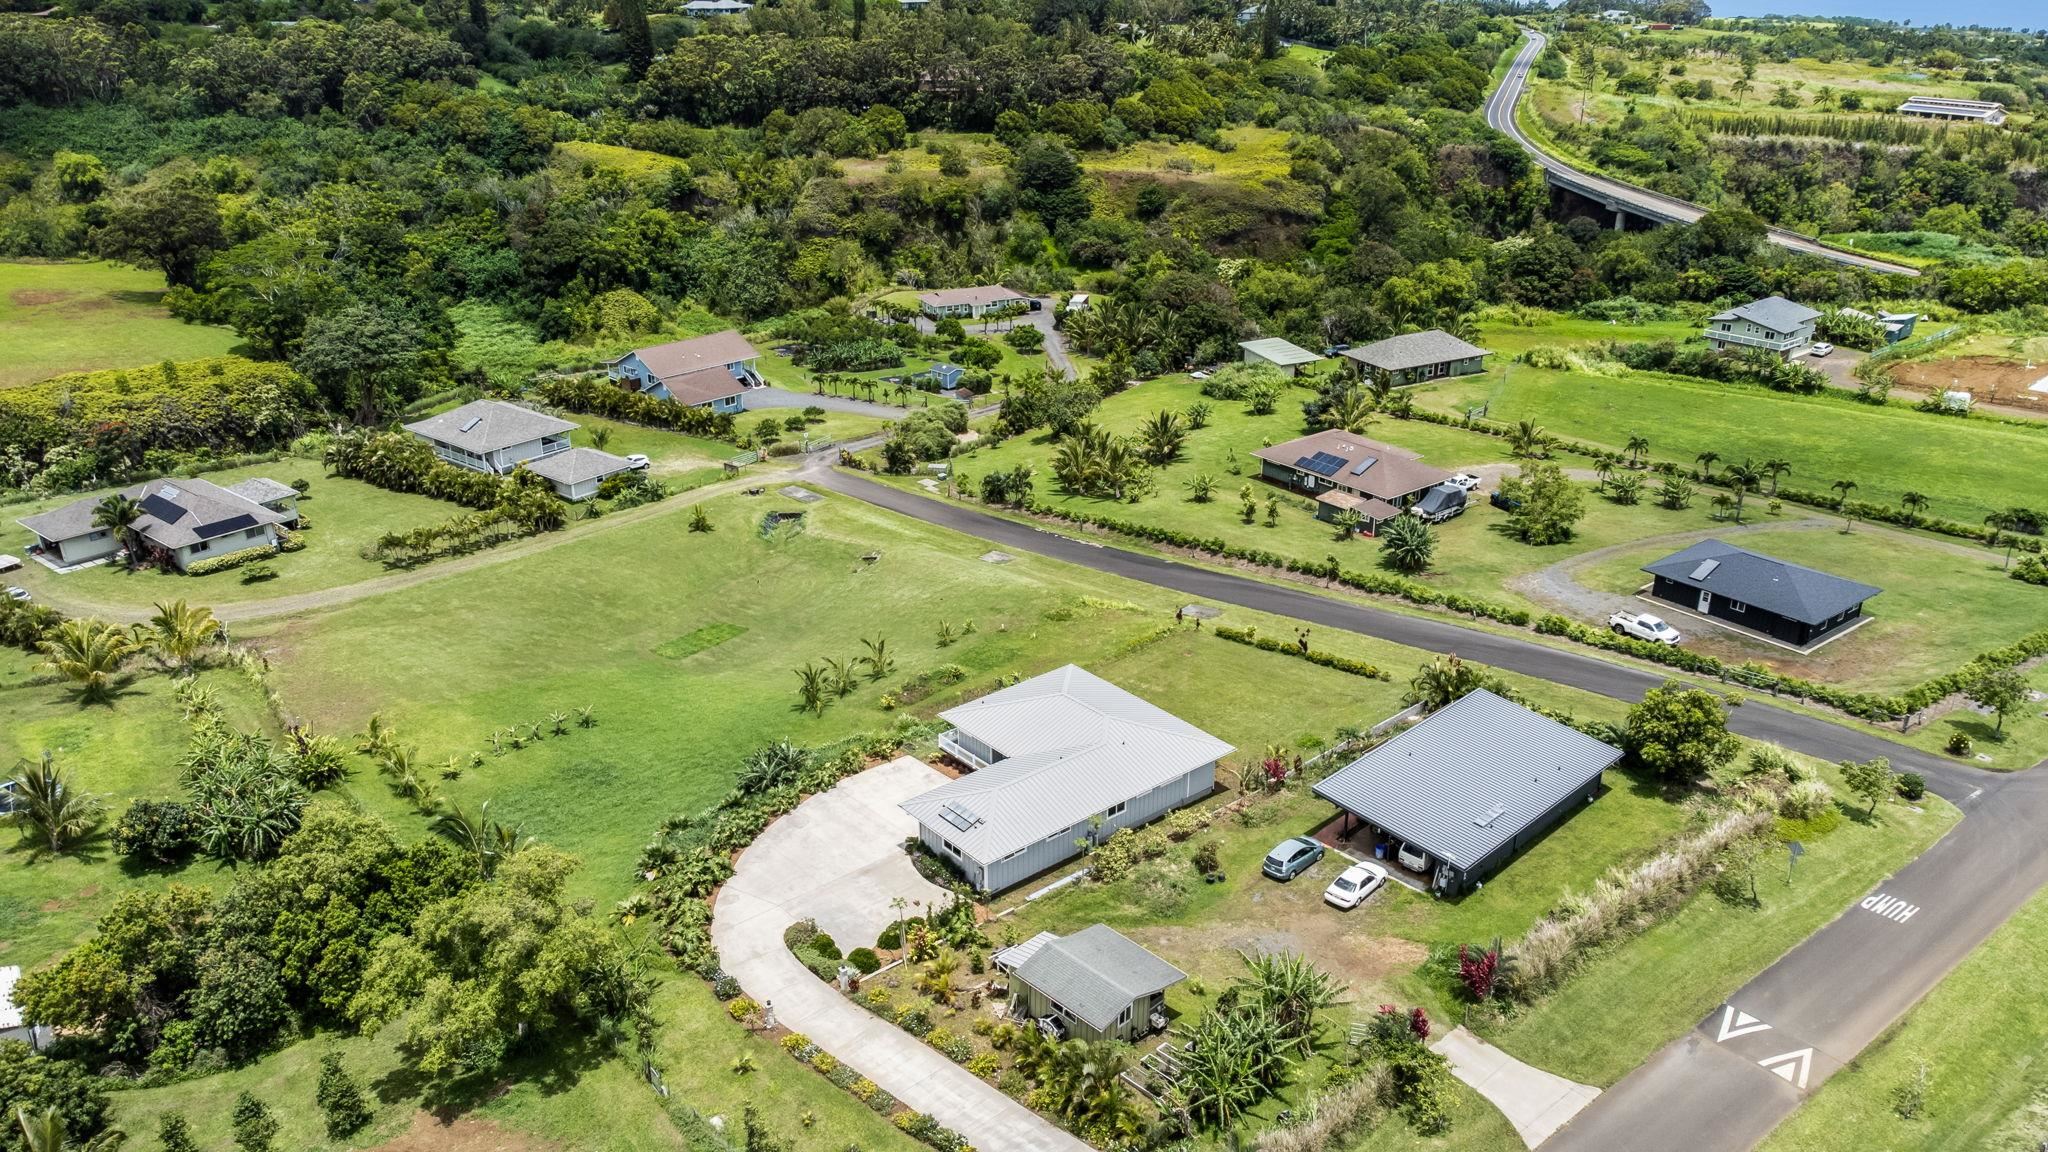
[
  {"x": 1821, "y": 1003},
  {"x": 1500, "y": 114}
]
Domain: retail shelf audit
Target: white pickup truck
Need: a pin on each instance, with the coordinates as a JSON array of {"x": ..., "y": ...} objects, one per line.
[{"x": 1643, "y": 626}]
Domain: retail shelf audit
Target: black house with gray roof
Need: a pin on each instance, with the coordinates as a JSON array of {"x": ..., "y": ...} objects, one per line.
[
  {"x": 1789, "y": 602},
  {"x": 1472, "y": 786}
]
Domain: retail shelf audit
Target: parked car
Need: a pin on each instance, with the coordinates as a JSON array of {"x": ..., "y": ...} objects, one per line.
[
  {"x": 1439, "y": 503},
  {"x": 1198, "y": 374},
  {"x": 1292, "y": 857},
  {"x": 7, "y": 796},
  {"x": 17, "y": 593},
  {"x": 638, "y": 461},
  {"x": 1643, "y": 626},
  {"x": 1503, "y": 501},
  {"x": 1464, "y": 482},
  {"x": 1357, "y": 882},
  {"x": 1821, "y": 349},
  {"x": 1412, "y": 858}
]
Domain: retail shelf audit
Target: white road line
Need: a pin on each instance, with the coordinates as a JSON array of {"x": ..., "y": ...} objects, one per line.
[
  {"x": 1890, "y": 907},
  {"x": 1735, "y": 1023},
  {"x": 1791, "y": 1067}
]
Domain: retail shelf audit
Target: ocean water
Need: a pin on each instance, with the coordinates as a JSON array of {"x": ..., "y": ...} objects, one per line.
[{"x": 2028, "y": 14}]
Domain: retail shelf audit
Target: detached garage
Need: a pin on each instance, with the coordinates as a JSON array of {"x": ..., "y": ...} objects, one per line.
[{"x": 1472, "y": 786}]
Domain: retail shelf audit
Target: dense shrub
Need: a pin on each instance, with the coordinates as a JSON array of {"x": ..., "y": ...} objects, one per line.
[
  {"x": 1314, "y": 656},
  {"x": 598, "y": 396},
  {"x": 864, "y": 961},
  {"x": 156, "y": 831}
]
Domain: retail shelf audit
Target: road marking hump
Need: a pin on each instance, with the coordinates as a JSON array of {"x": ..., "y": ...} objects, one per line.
[
  {"x": 1736, "y": 1023},
  {"x": 1791, "y": 1067}
]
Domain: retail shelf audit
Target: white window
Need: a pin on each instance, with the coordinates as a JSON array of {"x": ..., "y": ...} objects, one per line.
[
  {"x": 1115, "y": 811},
  {"x": 1011, "y": 856},
  {"x": 100, "y": 535},
  {"x": 202, "y": 546},
  {"x": 1737, "y": 607},
  {"x": 1059, "y": 835},
  {"x": 950, "y": 849}
]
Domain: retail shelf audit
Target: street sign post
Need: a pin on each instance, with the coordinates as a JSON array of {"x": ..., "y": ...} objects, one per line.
[{"x": 1794, "y": 850}]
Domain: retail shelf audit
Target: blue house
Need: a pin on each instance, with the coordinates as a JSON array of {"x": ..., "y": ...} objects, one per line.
[
  {"x": 944, "y": 377},
  {"x": 712, "y": 371}
]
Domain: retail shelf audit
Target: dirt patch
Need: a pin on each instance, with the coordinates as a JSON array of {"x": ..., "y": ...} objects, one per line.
[
  {"x": 1988, "y": 378},
  {"x": 464, "y": 1134},
  {"x": 38, "y": 297},
  {"x": 1338, "y": 941}
]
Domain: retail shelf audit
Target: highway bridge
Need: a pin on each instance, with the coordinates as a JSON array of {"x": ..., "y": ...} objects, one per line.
[{"x": 1625, "y": 199}]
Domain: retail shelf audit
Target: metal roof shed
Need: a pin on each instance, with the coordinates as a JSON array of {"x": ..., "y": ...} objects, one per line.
[{"x": 1473, "y": 784}]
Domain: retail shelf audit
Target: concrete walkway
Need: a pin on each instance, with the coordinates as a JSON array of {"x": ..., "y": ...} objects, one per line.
[
  {"x": 838, "y": 859},
  {"x": 1534, "y": 1101}
]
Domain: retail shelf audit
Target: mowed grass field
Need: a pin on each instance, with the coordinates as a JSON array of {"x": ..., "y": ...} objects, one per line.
[
  {"x": 1977, "y": 1040},
  {"x": 1968, "y": 468},
  {"x": 81, "y": 317}
]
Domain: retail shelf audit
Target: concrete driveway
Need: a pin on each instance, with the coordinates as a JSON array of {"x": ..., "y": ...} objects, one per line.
[
  {"x": 1536, "y": 1102},
  {"x": 838, "y": 859}
]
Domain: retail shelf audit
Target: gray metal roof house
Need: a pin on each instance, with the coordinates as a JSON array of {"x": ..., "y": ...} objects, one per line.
[
  {"x": 576, "y": 474},
  {"x": 1285, "y": 355},
  {"x": 1059, "y": 758},
  {"x": 1772, "y": 324},
  {"x": 1418, "y": 356},
  {"x": 493, "y": 436},
  {"x": 1472, "y": 785},
  {"x": 1788, "y": 602},
  {"x": 1096, "y": 984}
]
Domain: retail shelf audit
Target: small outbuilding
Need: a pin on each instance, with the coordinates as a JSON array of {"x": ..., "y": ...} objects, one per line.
[
  {"x": 1058, "y": 760},
  {"x": 1788, "y": 602},
  {"x": 1417, "y": 357},
  {"x": 576, "y": 474},
  {"x": 1096, "y": 984},
  {"x": 1943, "y": 108},
  {"x": 1471, "y": 786},
  {"x": 1274, "y": 352}
]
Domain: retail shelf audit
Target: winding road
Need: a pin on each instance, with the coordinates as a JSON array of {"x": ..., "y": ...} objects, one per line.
[
  {"x": 1724, "y": 1085},
  {"x": 1500, "y": 115}
]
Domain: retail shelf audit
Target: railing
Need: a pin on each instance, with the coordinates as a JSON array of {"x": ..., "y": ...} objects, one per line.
[
  {"x": 958, "y": 751},
  {"x": 1782, "y": 345}
]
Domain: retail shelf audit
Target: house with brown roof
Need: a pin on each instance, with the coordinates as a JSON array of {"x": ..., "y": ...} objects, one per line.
[
  {"x": 182, "y": 521},
  {"x": 967, "y": 303},
  {"x": 712, "y": 371},
  {"x": 1346, "y": 472}
]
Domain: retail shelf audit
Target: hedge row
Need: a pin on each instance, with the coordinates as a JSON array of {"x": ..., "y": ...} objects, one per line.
[
  {"x": 598, "y": 396},
  {"x": 1326, "y": 659},
  {"x": 1377, "y": 583},
  {"x": 286, "y": 542}
]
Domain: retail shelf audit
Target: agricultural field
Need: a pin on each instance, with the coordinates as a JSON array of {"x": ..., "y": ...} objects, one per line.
[
  {"x": 1968, "y": 468},
  {"x": 82, "y": 317},
  {"x": 1945, "y": 1077}
]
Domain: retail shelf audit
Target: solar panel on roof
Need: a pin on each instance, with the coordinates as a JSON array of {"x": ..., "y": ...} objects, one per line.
[
  {"x": 161, "y": 508},
  {"x": 1359, "y": 468},
  {"x": 1322, "y": 464},
  {"x": 233, "y": 523},
  {"x": 1705, "y": 569},
  {"x": 959, "y": 816},
  {"x": 1492, "y": 814},
  {"x": 169, "y": 492}
]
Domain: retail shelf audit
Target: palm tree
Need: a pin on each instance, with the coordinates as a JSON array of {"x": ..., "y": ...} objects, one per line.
[
  {"x": 89, "y": 653},
  {"x": 1913, "y": 504},
  {"x": 1676, "y": 491},
  {"x": 1602, "y": 469},
  {"x": 1351, "y": 412},
  {"x": 44, "y": 1132},
  {"x": 1527, "y": 438},
  {"x": 1706, "y": 462},
  {"x": 1724, "y": 505},
  {"x": 1626, "y": 489},
  {"x": 1741, "y": 88},
  {"x": 1638, "y": 447},
  {"x": 1842, "y": 489},
  {"x": 487, "y": 841},
  {"x": 1346, "y": 523},
  {"x": 1445, "y": 681},
  {"x": 1163, "y": 436},
  {"x": 2001, "y": 524},
  {"x": 48, "y": 809},
  {"x": 1408, "y": 544},
  {"x": 1776, "y": 467},
  {"x": 376, "y": 740},
  {"x": 115, "y": 514},
  {"x": 1742, "y": 476},
  {"x": 877, "y": 659},
  {"x": 178, "y": 631},
  {"x": 811, "y": 686},
  {"x": 600, "y": 438}
]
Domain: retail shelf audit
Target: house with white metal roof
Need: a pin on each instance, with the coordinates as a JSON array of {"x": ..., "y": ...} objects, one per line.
[
  {"x": 13, "y": 1026},
  {"x": 1061, "y": 758},
  {"x": 1943, "y": 108},
  {"x": 1773, "y": 324},
  {"x": 1274, "y": 352},
  {"x": 493, "y": 436},
  {"x": 1472, "y": 785},
  {"x": 1096, "y": 984}
]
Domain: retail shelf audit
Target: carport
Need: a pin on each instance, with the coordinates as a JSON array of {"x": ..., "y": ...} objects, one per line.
[{"x": 1472, "y": 786}]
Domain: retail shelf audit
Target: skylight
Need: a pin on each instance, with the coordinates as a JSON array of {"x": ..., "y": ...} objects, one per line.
[
  {"x": 1705, "y": 569},
  {"x": 471, "y": 423}
]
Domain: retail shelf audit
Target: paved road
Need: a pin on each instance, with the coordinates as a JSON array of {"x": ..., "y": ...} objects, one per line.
[
  {"x": 1043, "y": 319},
  {"x": 1834, "y": 994},
  {"x": 1500, "y": 114}
]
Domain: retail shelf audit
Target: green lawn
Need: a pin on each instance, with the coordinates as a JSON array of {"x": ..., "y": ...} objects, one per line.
[
  {"x": 345, "y": 516},
  {"x": 1978, "y": 1034},
  {"x": 1938, "y": 609},
  {"x": 120, "y": 752},
  {"x": 82, "y": 317},
  {"x": 1637, "y": 997},
  {"x": 1967, "y": 467}
]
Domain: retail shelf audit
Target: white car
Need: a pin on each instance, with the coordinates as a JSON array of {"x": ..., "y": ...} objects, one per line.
[
  {"x": 1644, "y": 626},
  {"x": 1357, "y": 882},
  {"x": 15, "y": 593},
  {"x": 638, "y": 461},
  {"x": 1198, "y": 374},
  {"x": 1464, "y": 482},
  {"x": 1821, "y": 349}
]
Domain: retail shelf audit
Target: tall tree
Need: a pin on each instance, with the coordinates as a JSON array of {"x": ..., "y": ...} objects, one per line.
[
  {"x": 172, "y": 223},
  {"x": 49, "y": 809},
  {"x": 1680, "y": 732},
  {"x": 635, "y": 36},
  {"x": 364, "y": 359},
  {"x": 2002, "y": 692}
]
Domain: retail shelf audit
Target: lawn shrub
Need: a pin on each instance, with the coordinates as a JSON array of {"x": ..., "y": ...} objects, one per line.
[
  {"x": 156, "y": 831},
  {"x": 597, "y": 396},
  {"x": 915, "y": 1019},
  {"x": 237, "y": 559},
  {"x": 1622, "y": 903},
  {"x": 340, "y": 1100},
  {"x": 985, "y": 1065},
  {"x": 1340, "y": 1113},
  {"x": 1911, "y": 786},
  {"x": 957, "y": 1048},
  {"x": 864, "y": 961},
  {"x": 1959, "y": 744},
  {"x": 1314, "y": 656},
  {"x": 1806, "y": 799},
  {"x": 928, "y": 1131}
]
